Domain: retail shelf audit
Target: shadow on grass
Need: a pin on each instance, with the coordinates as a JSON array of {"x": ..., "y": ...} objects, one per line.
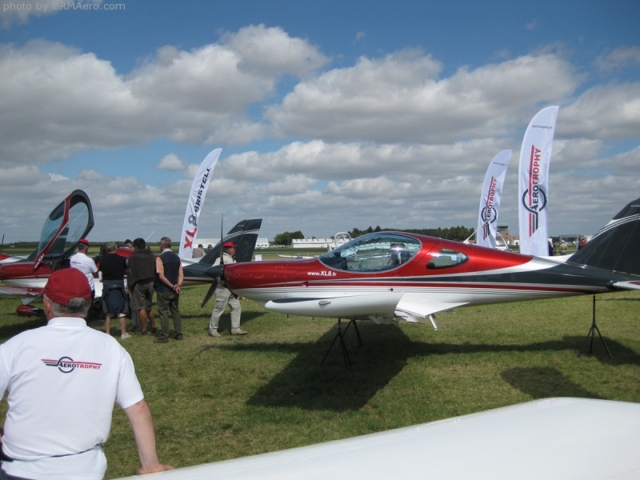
[
  {"x": 11, "y": 330},
  {"x": 544, "y": 382},
  {"x": 305, "y": 384}
]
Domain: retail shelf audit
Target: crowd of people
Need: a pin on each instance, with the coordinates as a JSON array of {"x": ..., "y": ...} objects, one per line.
[
  {"x": 129, "y": 284},
  {"x": 71, "y": 364}
]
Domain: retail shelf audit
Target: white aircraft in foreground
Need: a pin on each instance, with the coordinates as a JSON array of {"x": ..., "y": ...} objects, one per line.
[{"x": 555, "y": 438}]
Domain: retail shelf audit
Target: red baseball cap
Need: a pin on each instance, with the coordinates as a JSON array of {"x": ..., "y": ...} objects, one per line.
[
  {"x": 84, "y": 241},
  {"x": 65, "y": 284},
  {"x": 229, "y": 244}
]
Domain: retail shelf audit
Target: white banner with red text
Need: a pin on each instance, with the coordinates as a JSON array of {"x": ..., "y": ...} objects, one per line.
[
  {"x": 533, "y": 183},
  {"x": 195, "y": 203},
  {"x": 490, "y": 200}
]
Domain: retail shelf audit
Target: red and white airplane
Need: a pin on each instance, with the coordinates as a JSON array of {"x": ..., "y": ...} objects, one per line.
[
  {"x": 72, "y": 220},
  {"x": 387, "y": 276}
]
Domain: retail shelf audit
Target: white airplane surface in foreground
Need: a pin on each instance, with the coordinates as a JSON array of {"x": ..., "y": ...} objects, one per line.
[{"x": 555, "y": 438}]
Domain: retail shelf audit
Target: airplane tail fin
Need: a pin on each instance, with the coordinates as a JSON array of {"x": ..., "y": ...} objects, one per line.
[
  {"x": 616, "y": 246},
  {"x": 244, "y": 235}
]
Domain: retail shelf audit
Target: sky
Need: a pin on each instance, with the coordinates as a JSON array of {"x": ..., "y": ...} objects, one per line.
[{"x": 331, "y": 114}]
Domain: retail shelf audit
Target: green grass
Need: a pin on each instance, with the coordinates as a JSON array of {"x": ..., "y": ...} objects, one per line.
[{"x": 215, "y": 399}]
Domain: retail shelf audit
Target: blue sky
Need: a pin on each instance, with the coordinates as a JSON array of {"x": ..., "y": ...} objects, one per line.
[{"x": 331, "y": 114}]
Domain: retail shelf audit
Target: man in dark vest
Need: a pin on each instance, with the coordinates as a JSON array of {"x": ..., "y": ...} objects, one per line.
[
  {"x": 142, "y": 272},
  {"x": 169, "y": 277}
]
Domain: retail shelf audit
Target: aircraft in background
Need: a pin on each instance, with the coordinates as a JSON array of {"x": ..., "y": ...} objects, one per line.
[
  {"x": 387, "y": 276},
  {"x": 551, "y": 438},
  {"x": 72, "y": 220},
  {"x": 339, "y": 239},
  {"x": 501, "y": 243},
  {"x": 68, "y": 222}
]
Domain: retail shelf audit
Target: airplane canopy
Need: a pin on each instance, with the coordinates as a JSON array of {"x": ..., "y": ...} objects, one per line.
[
  {"x": 67, "y": 223},
  {"x": 374, "y": 252}
]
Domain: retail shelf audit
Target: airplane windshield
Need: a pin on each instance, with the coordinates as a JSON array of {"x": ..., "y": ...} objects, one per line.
[
  {"x": 372, "y": 253},
  {"x": 66, "y": 235}
]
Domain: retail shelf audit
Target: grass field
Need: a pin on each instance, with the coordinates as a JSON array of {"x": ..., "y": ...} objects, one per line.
[{"x": 215, "y": 399}]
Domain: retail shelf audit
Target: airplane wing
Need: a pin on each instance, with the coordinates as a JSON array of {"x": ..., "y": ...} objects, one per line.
[
  {"x": 19, "y": 291},
  {"x": 416, "y": 305},
  {"x": 635, "y": 285},
  {"x": 379, "y": 307},
  {"x": 549, "y": 438},
  {"x": 27, "y": 294},
  {"x": 12, "y": 259}
]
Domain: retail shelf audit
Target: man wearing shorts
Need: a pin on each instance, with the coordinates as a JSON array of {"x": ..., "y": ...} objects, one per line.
[{"x": 142, "y": 273}]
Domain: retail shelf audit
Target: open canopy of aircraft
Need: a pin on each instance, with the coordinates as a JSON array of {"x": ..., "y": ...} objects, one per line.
[
  {"x": 72, "y": 220},
  {"x": 386, "y": 276},
  {"x": 68, "y": 222}
]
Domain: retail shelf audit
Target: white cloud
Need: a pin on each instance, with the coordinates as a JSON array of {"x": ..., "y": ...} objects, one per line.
[
  {"x": 19, "y": 11},
  {"x": 603, "y": 112},
  {"x": 390, "y": 141},
  {"x": 618, "y": 59},
  {"x": 171, "y": 162},
  {"x": 58, "y": 101},
  {"x": 399, "y": 98},
  {"x": 272, "y": 52}
]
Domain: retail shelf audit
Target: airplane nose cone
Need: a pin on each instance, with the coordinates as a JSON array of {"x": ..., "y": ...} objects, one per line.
[{"x": 215, "y": 271}]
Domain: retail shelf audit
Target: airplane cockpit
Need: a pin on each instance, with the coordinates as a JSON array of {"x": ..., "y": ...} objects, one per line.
[
  {"x": 70, "y": 221},
  {"x": 374, "y": 252}
]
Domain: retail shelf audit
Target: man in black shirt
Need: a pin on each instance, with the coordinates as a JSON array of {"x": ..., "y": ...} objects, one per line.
[{"x": 114, "y": 298}]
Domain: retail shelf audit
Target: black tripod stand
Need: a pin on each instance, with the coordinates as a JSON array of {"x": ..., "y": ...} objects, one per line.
[
  {"x": 339, "y": 338},
  {"x": 592, "y": 331}
]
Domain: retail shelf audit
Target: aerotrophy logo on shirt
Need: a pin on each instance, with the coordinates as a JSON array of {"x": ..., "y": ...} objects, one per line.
[{"x": 68, "y": 365}]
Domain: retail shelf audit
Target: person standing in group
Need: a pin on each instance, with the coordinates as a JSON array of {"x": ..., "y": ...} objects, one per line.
[
  {"x": 114, "y": 296},
  {"x": 225, "y": 297},
  {"x": 582, "y": 243},
  {"x": 169, "y": 277},
  {"x": 63, "y": 380},
  {"x": 198, "y": 252},
  {"x": 81, "y": 261},
  {"x": 142, "y": 273},
  {"x": 563, "y": 247}
]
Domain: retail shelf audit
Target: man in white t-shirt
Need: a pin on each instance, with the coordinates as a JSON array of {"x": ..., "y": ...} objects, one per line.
[
  {"x": 83, "y": 262},
  {"x": 63, "y": 380}
]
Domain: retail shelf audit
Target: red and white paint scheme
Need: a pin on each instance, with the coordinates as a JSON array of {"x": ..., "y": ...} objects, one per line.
[{"x": 387, "y": 276}]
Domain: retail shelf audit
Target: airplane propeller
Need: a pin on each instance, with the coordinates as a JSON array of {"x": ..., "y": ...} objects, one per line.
[{"x": 216, "y": 273}]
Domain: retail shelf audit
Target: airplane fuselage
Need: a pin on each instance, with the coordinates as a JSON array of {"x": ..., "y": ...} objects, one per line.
[{"x": 357, "y": 284}]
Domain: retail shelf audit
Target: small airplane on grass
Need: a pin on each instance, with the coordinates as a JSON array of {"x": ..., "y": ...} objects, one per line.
[
  {"x": 389, "y": 276},
  {"x": 72, "y": 220}
]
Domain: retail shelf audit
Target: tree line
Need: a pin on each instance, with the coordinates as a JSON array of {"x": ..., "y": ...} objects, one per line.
[{"x": 458, "y": 233}]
